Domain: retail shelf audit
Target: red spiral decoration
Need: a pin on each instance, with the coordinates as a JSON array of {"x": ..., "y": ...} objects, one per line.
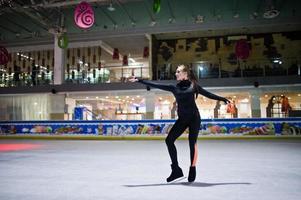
[
  {"x": 242, "y": 49},
  {"x": 125, "y": 60},
  {"x": 84, "y": 15},
  {"x": 145, "y": 52},
  {"x": 115, "y": 54}
]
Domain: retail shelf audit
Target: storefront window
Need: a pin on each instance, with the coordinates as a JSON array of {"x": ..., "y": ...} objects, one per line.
[
  {"x": 24, "y": 107},
  {"x": 281, "y": 104}
]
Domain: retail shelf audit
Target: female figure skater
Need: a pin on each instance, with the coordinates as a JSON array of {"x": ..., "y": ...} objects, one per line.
[{"x": 185, "y": 92}]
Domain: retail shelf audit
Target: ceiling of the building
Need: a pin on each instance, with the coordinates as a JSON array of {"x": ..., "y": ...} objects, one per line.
[{"x": 33, "y": 22}]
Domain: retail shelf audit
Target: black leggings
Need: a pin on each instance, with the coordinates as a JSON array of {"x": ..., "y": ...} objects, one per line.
[{"x": 193, "y": 123}]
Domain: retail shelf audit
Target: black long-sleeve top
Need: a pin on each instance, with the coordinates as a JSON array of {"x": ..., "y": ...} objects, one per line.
[{"x": 184, "y": 92}]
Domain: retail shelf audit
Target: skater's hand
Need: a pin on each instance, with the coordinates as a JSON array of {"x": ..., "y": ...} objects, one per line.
[
  {"x": 133, "y": 79},
  {"x": 226, "y": 101}
]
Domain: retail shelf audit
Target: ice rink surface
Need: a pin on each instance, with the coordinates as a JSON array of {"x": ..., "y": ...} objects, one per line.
[{"x": 130, "y": 170}]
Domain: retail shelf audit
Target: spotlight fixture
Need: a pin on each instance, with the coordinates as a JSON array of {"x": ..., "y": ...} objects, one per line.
[
  {"x": 269, "y": 14},
  {"x": 171, "y": 20},
  {"x": 111, "y": 8},
  {"x": 152, "y": 23},
  {"x": 236, "y": 15},
  {"x": 254, "y": 15},
  {"x": 270, "y": 10},
  {"x": 199, "y": 19}
]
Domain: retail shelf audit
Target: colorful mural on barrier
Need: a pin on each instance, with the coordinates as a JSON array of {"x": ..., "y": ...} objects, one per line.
[{"x": 267, "y": 126}]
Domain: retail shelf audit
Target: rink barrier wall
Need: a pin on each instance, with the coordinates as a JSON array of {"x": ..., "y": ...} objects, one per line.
[{"x": 210, "y": 127}]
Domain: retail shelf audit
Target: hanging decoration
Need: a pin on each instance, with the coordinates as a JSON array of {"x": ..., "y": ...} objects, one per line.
[
  {"x": 156, "y": 6},
  {"x": 99, "y": 65},
  {"x": 62, "y": 41},
  {"x": 24, "y": 64},
  {"x": 89, "y": 51},
  {"x": 115, "y": 54},
  {"x": 145, "y": 52},
  {"x": 84, "y": 15},
  {"x": 99, "y": 51},
  {"x": 39, "y": 55},
  {"x": 125, "y": 60},
  {"x": 4, "y": 56},
  {"x": 94, "y": 59},
  {"x": 68, "y": 68},
  {"x": 242, "y": 49}
]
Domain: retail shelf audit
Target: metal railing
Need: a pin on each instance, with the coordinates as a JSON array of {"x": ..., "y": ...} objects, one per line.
[{"x": 204, "y": 69}]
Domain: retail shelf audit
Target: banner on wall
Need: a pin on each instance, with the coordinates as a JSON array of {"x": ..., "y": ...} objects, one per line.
[{"x": 268, "y": 126}]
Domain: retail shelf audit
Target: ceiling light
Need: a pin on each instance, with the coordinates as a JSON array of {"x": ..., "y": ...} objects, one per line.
[
  {"x": 244, "y": 100},
  {"x": 236, "y": 15},
  {"x": 111, "y": 8},
  {"x": 152, "y": 23},
  {"x": 199, "y": 19},
  {"x": 171, "y": 20},
  {"x": 269, "y": 14},
  {"x": 255, "y": 14}
]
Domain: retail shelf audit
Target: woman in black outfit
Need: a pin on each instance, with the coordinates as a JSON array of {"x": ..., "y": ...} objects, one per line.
[{"x": 185, "y": 92}]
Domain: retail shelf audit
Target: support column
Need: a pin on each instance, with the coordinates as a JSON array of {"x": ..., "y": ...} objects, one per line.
[
  {"x": 57, "y": 107},
  {"x": 149, "y": 105},
  {"x": 59, "y": 63},
  {"x": 149, "y": 37},
  {"x": 255, "y": 103}
]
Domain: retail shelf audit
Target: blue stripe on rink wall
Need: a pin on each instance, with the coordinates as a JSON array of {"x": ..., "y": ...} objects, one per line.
[{"x": 245, "y": 126}]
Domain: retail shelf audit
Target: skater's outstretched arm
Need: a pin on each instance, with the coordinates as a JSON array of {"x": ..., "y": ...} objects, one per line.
[
  {"x": 167, "y": 87},
  {"x": 210, "y": 95}
]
